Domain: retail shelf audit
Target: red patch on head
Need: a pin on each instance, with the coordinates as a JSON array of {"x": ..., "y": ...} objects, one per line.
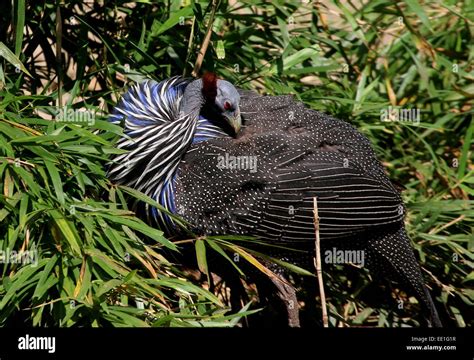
[{"x": 209, "y": 86}]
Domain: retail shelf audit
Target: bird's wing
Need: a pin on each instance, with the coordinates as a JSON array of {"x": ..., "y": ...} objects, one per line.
[{"x": 264, "y": 182}]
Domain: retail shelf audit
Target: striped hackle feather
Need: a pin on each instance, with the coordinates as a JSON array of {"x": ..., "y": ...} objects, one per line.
[{"x": 159, "y": 127}]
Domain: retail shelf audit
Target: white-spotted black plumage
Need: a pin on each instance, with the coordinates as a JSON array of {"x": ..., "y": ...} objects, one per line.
[{"x": 298, "y": 154}]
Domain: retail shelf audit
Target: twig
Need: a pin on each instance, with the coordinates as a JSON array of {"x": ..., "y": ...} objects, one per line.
[
  {"x": 317, "y": 264},
  {"x": 17, "y": 162},
  {"x": 449, "y": 289},
  {"x": 190, "y": 46},
  {"x": 205, "y": 43},
  {"x": 59, "y": 35},
  {"x": 435, "y": 231}
]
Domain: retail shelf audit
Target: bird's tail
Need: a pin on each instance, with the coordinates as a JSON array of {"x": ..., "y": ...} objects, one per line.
[{"x": 391, "y": 254}]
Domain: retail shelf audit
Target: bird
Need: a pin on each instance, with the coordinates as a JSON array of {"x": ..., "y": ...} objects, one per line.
[{"x": 235, "y": 162}]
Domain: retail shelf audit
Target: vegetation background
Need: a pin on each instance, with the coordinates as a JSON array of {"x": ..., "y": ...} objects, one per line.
[{"x": 99, "y": 265}]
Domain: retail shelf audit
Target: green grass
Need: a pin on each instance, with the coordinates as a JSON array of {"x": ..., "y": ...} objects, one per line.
[{"x": 96, "y": 260}]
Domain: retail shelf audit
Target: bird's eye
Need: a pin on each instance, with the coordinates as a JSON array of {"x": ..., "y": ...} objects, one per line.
[{"x": 227, "y": 105}]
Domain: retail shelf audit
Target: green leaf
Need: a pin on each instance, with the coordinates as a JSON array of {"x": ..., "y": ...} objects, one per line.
[
  {"x": 458, "y": 316},
  {"x": 201, "y": 256},
  {"x": 19, "y": 280},
  {"x": 140, "y": 226},
  {"x": 297, "y": 58},
  {"x": 415, "y": 6},
  {"x": 466, "y": 149},
  {"x": 19, "y": 25},
  {"x": 120, "y": 318},
  {"x": 215, "y": 246},
  {"x": 294, "y": 268},
  {"x": 56, "y": 180},
  {"x": 46, "y": 274},
  {"x": 6, "y": 53},
  {"x": 67, "y": 230},
  {"x": 174, "y": 19},
  {"x": 108, "y": 286},
  {"x": 252, "y": 260}
]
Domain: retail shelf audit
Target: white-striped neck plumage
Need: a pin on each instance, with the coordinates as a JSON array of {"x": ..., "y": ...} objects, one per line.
[
  {"x": 172, "y": 140},
  {"x": 161, "y": 121}
]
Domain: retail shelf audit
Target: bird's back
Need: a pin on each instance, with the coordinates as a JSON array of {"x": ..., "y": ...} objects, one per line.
[{"x": 264, "y": 181}]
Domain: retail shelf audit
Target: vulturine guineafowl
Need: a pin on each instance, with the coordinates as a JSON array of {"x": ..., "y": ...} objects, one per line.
[{"x": 186, "y": 139}]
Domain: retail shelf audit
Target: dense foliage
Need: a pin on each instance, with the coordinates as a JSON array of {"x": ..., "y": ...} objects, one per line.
[{"x": 94, "y": 263}]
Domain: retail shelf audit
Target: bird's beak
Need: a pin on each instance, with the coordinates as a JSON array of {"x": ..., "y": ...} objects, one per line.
[{"x": 235, "y": 121}]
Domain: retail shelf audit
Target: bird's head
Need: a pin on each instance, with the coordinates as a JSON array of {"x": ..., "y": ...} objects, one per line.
[{"x": 221, "y": 102}]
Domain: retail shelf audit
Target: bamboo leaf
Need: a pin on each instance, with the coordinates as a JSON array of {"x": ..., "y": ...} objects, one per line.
[
  {"x": 201, "y": 256},
  {"x": 174, "y": 20},
  {"x": 19, "y": 25},
  {"x": 418, "y": 10},
  {"x": 67, "y": 231},
  {"x": 6, "y": 53},
  {"x": 56, "y": 180}
]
